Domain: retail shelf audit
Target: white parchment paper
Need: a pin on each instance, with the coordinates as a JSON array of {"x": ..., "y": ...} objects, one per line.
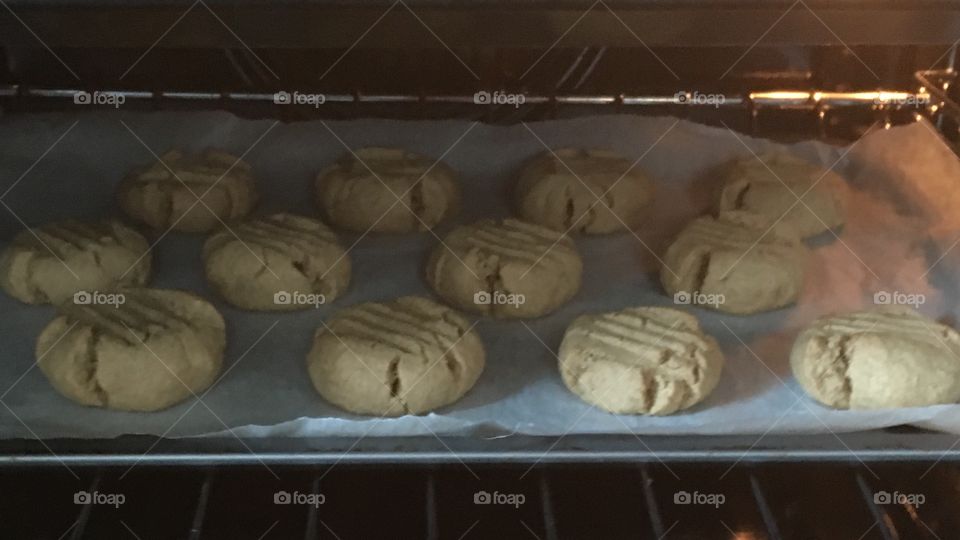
[{"x": 903, "y": 191}]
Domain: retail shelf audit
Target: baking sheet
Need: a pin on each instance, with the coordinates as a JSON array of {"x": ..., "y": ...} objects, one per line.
[{"x": 902, "y": 188}]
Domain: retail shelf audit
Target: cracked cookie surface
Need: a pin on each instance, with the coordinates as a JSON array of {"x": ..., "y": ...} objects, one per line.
[
  {"x": 779, "y": 186},
  {"x": 645, "y": 360},
  {"x": 48, "y": 264},
  {"x": 507, "y": 269},
  {"x": 280, "y": 262},
  {"x": 387, "y": 190},
  {"x": 153, "y": 350},
  {"x": 588, "y": 191},
  {"x": 735, "y": 263},
  {"x": 168, "y": 193},
  {"x": 407, "y": 356},
  {"x": 891, "y": 357}
]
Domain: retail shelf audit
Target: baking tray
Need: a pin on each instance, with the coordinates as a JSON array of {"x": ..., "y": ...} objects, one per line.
[
  {"x": 890, "y": 445},
  {"x": 895, "y": 444}
]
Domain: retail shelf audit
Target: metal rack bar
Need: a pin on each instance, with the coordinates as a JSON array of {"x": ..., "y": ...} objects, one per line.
[
  {"x": 870, "y": 446},
  {"x": 85, "y": 511},
  {"x": 764, "y": 506},
  {"x": 879, "y": 515},
  {"x": 310, "y": 531},
  {"x": 196, "y": 527},
  {"x": 653, "y": 510},
  {"x": 546, "y": 502},
  {"x": 813, "y": 100},
  {"x": 433, "y": 526}
]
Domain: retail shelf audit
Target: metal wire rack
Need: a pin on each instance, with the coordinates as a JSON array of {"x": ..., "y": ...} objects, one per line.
[
  {"x": 822, "y": 108},
  {"x": 611, "y": 502}
]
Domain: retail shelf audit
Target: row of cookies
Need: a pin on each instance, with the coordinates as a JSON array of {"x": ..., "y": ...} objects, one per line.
[
  {"x": 506, "y": 268},
  {"x": 503, "y": 268},
  {"x": 159, "y": 347},
  {"x": 388, "y": 190},
  {"x": 413, "y": 355},
  {"x": 406, "y": 356},
  {"x": 652, "y": 360}
]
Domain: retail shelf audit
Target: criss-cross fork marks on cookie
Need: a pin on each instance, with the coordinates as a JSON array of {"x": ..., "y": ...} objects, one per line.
[
  {"x": 640, "y": 360},
  {"x": 410, "y": 355},
  {"x": 511, "y": 259}
]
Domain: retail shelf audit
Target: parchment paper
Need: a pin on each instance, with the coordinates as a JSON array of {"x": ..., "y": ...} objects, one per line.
[{"x": 903, "y": 200}]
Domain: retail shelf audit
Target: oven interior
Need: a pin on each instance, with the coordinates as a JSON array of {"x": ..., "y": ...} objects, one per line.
[{"x": 797, "y": 81}]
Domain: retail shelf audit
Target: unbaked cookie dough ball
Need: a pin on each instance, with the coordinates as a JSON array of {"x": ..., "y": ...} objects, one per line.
[
  {"x": 281, "y": 262},
  {"x": 167, "y": 194},
  {"x": 133, "y": 349},
  {"x": 589, "y": 191},
  {"x": 507, "y": 269},
  {"x": 387, "y": 190},
  {"x": 646, "y": 360},
  {"x": 887, "y": 358},
  {"x": 51, "y": 263},
  {"x": 734, "y": 263},
  {"x": 771, "y": 186},
  {"x": 407, "y": 356}
]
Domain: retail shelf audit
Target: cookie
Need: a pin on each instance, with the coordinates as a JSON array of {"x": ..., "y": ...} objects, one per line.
[
  {"x": 770, "y": 187},
  {"x": 407, "y": 356},
  {"x": 167, "y": 194},
  {"x": 508, "y": 269},
  {"x": 146, "y": 350},
  {"x": 893, "y": 357},
  {"x": 646, "y": 360},
  {"x": 387, "y": 190},
  {"x": 590, "y": 191},
  {"x": 51, "y": 263},
  {"x": 734, "y": 263},
  {"x": 280, "y": 262}
]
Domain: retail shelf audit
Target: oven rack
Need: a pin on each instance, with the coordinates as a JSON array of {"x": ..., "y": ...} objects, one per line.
[
  {"x": 741, "y": 110},
  {"x": 813, "y": 100},
  {"x": 622, "y": 501}
]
